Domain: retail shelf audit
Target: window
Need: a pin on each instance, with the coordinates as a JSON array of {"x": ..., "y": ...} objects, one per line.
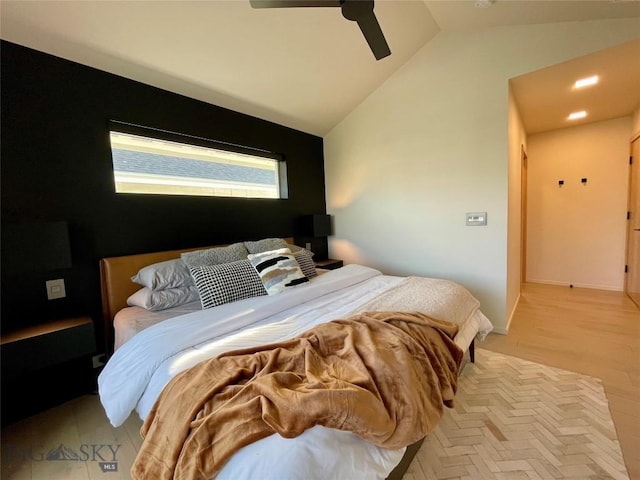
[{"x": 190, "y": 166}]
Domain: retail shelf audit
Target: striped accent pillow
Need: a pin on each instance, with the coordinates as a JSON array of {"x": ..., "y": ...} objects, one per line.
[
  {"x": 305, "y": 260},
  {"x": 278, "y": 270},
  {"x": 226, "y": 283}
]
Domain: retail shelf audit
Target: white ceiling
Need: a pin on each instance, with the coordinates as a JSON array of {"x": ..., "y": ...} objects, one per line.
[
  {"x": 546, "y": 97},
  {"x": 305, "y": 68}
]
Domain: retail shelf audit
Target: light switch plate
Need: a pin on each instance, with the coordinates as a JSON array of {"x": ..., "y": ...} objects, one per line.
[
  {"x": 55, "y": 289},
  {"x": 476, "y": 219}
]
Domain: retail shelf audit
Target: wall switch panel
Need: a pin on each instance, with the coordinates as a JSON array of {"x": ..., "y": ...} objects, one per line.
[
  {"x": 55, "y": 289},
  {"x": 476, "y": 218}
]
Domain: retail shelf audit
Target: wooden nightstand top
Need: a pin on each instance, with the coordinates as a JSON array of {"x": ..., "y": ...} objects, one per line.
[
  {"x": 329, "y": 264},
  {"x": 44, "y": 328},
  {"x": 46, "y": 345}
]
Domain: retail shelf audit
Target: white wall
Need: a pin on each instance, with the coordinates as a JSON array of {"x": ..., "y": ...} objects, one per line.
[
  {"x": 576, "y": 232},
  {"x": 431, "y": 144}
]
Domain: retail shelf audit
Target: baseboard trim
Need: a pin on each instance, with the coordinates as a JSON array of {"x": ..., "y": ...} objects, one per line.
[
  {"x": 610, "y": 288},
  {"x": 513, "y": 312}
]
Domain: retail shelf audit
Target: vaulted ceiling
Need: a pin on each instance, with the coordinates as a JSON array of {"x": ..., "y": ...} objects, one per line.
[{"x": 305, "y": 68}]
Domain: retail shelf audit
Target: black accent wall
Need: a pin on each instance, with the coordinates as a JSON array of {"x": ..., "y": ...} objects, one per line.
[{"x": 56, "y": 166}]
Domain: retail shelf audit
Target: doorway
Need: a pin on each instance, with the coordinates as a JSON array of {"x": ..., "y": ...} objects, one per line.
[{"x": 632, "y": 280}]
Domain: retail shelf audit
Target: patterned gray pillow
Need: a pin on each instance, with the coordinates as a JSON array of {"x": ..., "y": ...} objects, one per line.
[
  {"x": 265, "y": 245},
  {"x": 226, "y": 283},
  {"x": 215, "y": 256}
]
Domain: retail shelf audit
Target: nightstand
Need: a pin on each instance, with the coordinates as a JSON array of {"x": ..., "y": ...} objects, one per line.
[
  {"x": 45, "y": 365},
  {"x": 329, "y": 264},
  {"x": 47, "y": 344}
]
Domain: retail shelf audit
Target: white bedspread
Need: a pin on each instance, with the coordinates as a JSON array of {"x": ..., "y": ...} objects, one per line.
[
  {"x": 130, "y": 321},
  {"x": 138, "y": 371}
]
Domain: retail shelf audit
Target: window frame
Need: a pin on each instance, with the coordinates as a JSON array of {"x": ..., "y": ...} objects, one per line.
[{"x": 117, "y": 126}]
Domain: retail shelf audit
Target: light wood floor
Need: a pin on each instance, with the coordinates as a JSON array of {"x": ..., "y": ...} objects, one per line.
[{"x": 588, "y": 331}]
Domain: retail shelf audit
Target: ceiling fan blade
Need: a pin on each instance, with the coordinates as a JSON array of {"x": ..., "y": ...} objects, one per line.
[
  {"x": 293, "y": 3},
  {"x": 373, "y": 34},
  {"x": 360, "y": 11}
]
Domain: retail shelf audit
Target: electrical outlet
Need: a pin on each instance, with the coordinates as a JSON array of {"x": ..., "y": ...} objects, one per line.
[
  {"x": 308, "y": 246},
  {"x": 98, "y": 360},
  {"x": 55, "y": 289}
]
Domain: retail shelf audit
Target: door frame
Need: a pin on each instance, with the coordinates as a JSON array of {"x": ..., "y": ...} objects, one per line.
[
  {"x": 523, "y": 214},
  {"x": 633, "y": 164}
]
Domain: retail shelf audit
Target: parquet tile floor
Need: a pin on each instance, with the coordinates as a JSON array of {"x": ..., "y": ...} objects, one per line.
[
  {"x": 518, "y": 419},
  {"x": 593, "y": 332}
]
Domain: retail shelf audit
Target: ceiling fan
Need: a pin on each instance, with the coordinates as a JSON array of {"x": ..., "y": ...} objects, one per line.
[{"x": 360, "y": 11}]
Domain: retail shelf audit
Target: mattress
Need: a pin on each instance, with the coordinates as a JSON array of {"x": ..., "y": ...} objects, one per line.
[{"x": 132, "y": 320}]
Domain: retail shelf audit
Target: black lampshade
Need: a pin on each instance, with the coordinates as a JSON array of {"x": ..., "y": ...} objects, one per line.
[
  {"x": 321, "y": 226},
  {"x": 34, "y": 247}
]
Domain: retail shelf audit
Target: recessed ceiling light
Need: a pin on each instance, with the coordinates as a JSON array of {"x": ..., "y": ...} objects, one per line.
[
  {"x": 484, "y": 3},
  {"x": 577, "y": 115},
  {"x": 585, "y": 82}
]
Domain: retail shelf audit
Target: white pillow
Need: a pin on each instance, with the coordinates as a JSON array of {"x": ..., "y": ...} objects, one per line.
[
  {"x": 278, "y": 270},
  {"x": 155, "y": 300},
  {"x": 167, "y": 274},
  {"x": 294, "y": 248}
]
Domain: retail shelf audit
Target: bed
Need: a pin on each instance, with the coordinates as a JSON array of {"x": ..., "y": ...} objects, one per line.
[{"x": 156, "y": 348}]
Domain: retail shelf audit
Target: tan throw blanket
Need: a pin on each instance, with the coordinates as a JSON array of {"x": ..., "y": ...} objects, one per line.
[{"x": 384, "y": 376}]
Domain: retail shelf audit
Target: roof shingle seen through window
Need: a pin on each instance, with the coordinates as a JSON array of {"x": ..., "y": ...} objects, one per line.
[{"x": 141, "y": 162}]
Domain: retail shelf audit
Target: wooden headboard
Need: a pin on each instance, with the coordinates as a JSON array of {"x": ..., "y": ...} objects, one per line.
[{"x": 116, "y": 285}]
